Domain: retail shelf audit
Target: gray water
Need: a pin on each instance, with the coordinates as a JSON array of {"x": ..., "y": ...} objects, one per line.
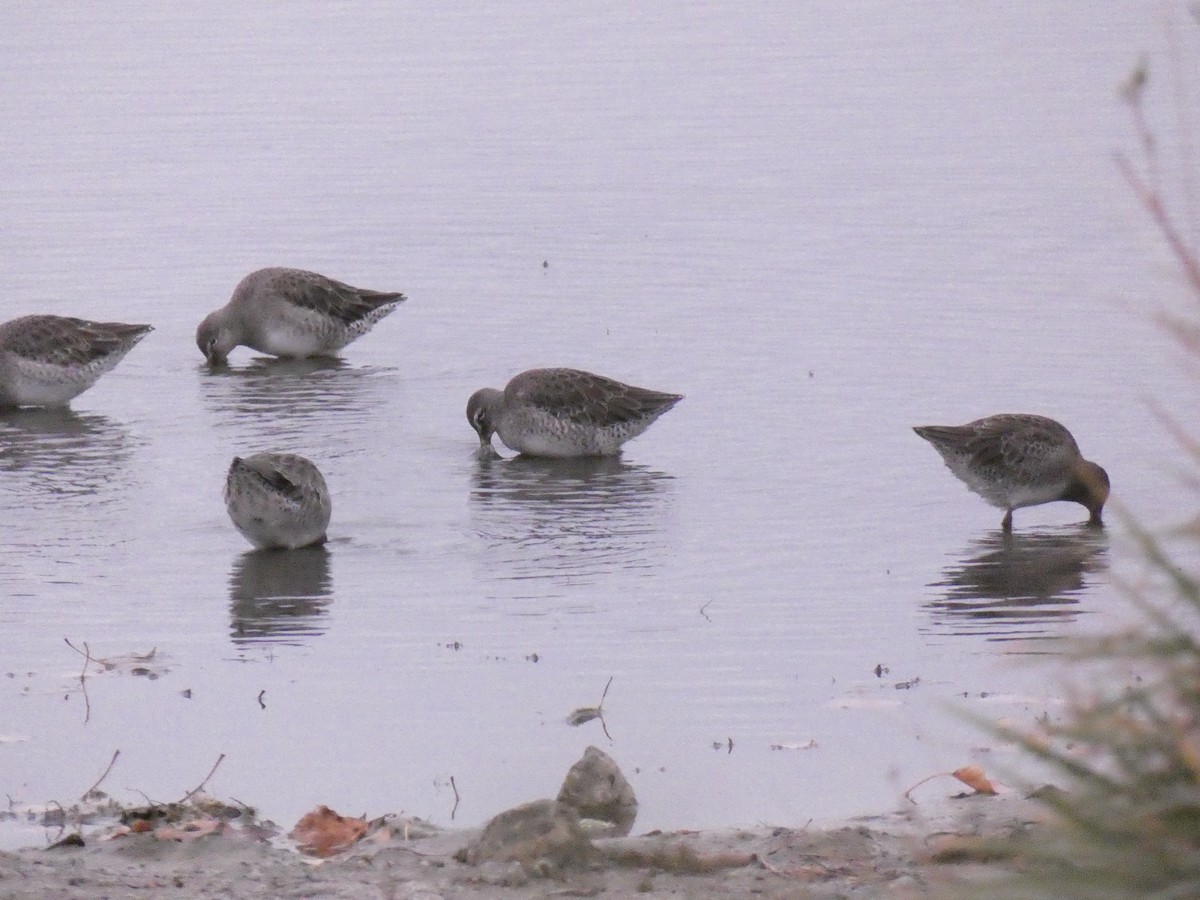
[{"x": 821, "y": 224}]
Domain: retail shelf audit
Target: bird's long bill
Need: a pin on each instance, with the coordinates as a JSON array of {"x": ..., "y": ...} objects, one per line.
[{"x": 486, "y": 450}]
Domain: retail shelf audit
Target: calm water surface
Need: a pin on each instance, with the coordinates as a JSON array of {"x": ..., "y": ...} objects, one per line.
[{"x": 821, "y": 225}]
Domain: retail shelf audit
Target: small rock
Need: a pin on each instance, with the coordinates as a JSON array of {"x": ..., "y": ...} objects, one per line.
[{"x": 543, "y": 836}]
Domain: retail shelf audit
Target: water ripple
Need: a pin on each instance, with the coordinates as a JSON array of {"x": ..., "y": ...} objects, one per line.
[
  {"x": 1015, "y": 585},
  {"x": 296, "y": 403},
  {"x": 568, "y": 519},
  {"x": 279, "y": 596},
  {"x": 51, "y": 454}
]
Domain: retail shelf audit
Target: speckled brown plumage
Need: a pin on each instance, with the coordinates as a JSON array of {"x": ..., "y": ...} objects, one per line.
[
  {"x": 291, "y": 312},
  {"x": 277, "y": 500},
  {"x": 564, "y": 412},
  {"x": 46, "y": 360},
  {"x": 1015, "y": 460}
]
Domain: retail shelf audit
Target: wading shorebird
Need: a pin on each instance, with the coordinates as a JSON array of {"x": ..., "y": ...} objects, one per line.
[
  {"x": 47, "y": 360},
  {"x": 290, "y": 312},
  {"x": 1015, "y": 460},
  {"x": 277, "y": 500},
  {"x": 565, "y": 413}
]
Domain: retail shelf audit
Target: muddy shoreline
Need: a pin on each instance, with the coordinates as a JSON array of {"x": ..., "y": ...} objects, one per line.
[{"x": 931, "y": 850}]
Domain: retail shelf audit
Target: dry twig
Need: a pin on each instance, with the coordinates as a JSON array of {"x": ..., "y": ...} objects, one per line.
[
  {"x": 112, "y": 762},
  {"x": 198, "y": 788}
]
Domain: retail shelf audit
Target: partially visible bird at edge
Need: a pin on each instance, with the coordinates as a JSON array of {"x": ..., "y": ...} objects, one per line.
[{"x": 47, "y": 360}]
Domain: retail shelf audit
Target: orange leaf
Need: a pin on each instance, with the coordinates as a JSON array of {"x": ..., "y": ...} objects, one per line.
[
  {"x": 973, "y": 777},
  {"x": 140, "y": 826},
  {"x": 323, "y": 832},
  {"x": 1188, "y": 748}
]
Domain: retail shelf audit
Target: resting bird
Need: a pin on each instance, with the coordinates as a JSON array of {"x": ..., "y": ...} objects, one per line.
[
  {"x": 565, "y": 413},
  {"x": 277, "y": 500},
  {"x": 1016, "y": 460},
  {"x": 47, "y": 360},
  {"x": 290, "y": 312}
]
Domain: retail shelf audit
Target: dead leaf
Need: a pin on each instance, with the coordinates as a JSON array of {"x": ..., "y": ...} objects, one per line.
[
  {"x": 140, "y": 826},
  {"x": 1188, "y": 748},
  {"x": 583, "y": 714},
  {"x": 323, "y": 832},
  {"x": 189, "y": 831},
  {"x": 973, "y": 777}
]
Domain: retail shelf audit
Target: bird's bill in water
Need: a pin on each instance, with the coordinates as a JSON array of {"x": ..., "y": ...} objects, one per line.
[{"x": 486, "y": 450}]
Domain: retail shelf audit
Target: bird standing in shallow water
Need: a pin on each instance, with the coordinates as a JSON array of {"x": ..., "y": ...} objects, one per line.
[
  {"x": 277, "y": 500},
  {"x": 47, "y": 360},
  {"x": 1015, "y": 460},
  {"x": 565, "y": 413},
  {"x": 290, "y": 312}
]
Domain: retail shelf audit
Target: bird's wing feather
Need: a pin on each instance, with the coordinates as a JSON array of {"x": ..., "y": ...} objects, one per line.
[
  {"x": 585, "y": 398},
  {"x": 331, "y": 297}
]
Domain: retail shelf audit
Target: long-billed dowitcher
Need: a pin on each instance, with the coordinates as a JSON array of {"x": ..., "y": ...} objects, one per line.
[
  {"x": 565, "y": 413},
  {"x": 290, "y": 312},
  {"x": 1015, "y": 460},
  {"x": 277, "y": 500},
  {"x": 46, "y": 360}
]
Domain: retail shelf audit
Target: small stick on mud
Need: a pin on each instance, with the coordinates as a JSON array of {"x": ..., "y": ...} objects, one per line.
[
  {"x": 600, "y": 708},
  {"x": 907, "y": 795},
  {"x": 260, "y": 698},
  {"x": 112, "y": 762},
  {"x": 86, "y": 653},
  {"x": 198, "y": 788},
  {"x": 770, "y": 868},
  {"x": 150, "y": 803},
  {"x": 454, "y": 787}
]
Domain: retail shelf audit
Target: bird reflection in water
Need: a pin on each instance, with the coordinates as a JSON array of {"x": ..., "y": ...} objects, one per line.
[
  {"x": 1016, "y": 586},
  {"x": 279, "y": 596},
  {"x": 59, "y": 453},
  {"x": 568, "y": 519},
  {"x": 302, "y": 401}
]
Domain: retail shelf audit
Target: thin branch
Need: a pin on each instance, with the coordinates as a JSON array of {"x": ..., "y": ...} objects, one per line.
[
  {"x": 112, "y": 762},
  {"x": 1152, "y": 201},
  {"x": 86, "y": 653},
  {"x": 198, "y": 788},
  {"x": 605, "y": 694},
  {"x": 1183, "y": 124}
]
